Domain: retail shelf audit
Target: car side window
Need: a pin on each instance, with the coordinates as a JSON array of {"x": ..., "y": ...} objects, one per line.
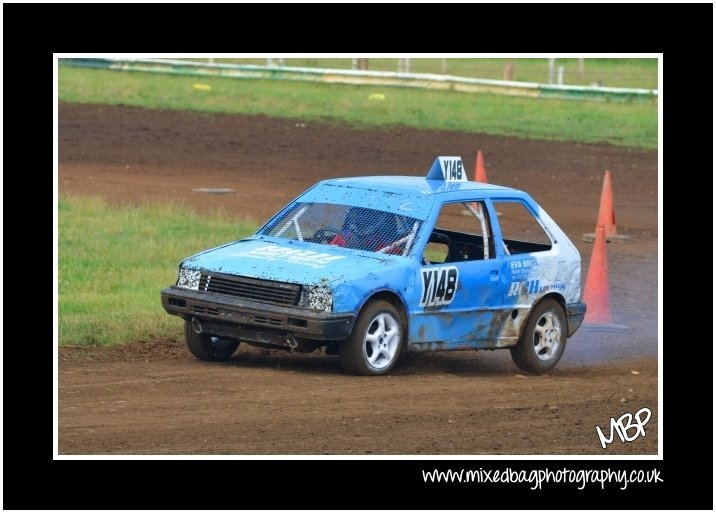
[
  {"x": 521, "y": 231},
  {"x": 462, "y": 233}
]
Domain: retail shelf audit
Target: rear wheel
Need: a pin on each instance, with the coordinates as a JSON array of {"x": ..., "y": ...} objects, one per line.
[
  {"x": 375, "y": 343},
  {"x": 208, "y": 347},
  {"x": 543, "y": 339}
]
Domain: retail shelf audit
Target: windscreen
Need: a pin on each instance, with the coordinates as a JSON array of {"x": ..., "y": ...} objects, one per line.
[{"x": 351, "y": 227}]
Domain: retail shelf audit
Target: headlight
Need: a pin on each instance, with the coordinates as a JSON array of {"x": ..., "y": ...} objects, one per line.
[
  {"x": 318, "y": 297},
  {"x": 188, "y": 278}
]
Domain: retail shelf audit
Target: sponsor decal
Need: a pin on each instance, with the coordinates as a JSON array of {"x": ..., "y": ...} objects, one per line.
[
  {"x": 523, "y": 269},
  {"x": 533, "y": 287},
  {"x": 525, "y": 287},
  {"x": 306, "y": 257}
]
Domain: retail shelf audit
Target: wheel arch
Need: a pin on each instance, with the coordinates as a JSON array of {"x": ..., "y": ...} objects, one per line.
[
  {"x": 524, "y": 317},
  {"x": 394, "y": 299},
  {"x": 557, "y": 297}
]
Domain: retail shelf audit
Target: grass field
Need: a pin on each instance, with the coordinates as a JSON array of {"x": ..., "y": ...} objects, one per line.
[
  {"x": 113, "y": 263},
  {"x": 550, "y": 119},
  {"x": 637, "y": 73}
]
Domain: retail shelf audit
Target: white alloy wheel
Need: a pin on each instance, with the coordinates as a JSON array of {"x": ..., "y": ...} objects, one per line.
[{"x": 382, "y": 340}]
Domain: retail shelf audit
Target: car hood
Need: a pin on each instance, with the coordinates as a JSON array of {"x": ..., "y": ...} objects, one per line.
[{"x": 290, "y": 261}]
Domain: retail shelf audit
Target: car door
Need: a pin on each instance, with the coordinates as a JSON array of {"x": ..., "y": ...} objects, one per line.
[
  {"x": 528, "y": 251},
  {"x": 460, "y": 281}
]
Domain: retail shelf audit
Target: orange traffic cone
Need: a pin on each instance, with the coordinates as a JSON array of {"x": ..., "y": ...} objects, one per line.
[
  {"x": 480, "y": 174},
  {"x": 606, "y": 216},
  {"x": 596, "y": 288}
]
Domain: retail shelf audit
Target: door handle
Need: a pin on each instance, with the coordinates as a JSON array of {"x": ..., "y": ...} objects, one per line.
[{"x": 494, "y": 274}]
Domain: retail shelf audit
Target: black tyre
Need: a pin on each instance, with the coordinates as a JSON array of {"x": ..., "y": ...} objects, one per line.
[
  {"x": 207, "y": 347},
  {"x": 543, "y": 339},
  {"x": 376, "y": 341}
]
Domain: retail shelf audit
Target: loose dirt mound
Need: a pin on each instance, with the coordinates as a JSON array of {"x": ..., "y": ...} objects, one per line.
[{"x": 153, "y": 398}]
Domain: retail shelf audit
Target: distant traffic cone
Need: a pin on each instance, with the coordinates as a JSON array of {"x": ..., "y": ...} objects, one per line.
[
  {"x": 596, "y": 288},
  {"x": 606, "y": 216},
  {"x": 480, "y": 174}
]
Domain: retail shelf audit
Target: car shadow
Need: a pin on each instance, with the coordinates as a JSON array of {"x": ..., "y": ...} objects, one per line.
[{"x": 460, "y": 363}]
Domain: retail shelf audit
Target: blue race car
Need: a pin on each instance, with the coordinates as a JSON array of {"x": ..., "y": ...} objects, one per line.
[{"x": 369, "y": 267}]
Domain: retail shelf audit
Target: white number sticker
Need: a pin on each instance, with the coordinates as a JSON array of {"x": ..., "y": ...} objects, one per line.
[{"x": 439, "y": 285}]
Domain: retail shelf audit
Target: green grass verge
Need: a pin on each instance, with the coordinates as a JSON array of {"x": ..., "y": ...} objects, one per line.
[
  {"x": 621, "y": 124},
  {"x": 113, "y": 263}
]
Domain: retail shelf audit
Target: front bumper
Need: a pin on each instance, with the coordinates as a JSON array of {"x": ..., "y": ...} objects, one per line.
[
  {"x": 575, "y": 316},
  {"x": 252, "y": 321}
]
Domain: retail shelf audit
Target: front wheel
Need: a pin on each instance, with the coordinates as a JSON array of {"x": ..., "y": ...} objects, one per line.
[
  {"x": 208, "y": 347},
  {"x": 542, "y": 342},
  {"x": 375, "y": 343}
]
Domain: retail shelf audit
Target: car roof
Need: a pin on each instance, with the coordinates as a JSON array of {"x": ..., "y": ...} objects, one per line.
[{"x": 415, "y": 184}]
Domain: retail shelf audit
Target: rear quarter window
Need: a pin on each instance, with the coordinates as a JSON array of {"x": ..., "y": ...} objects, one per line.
[{"x": 521, "y": 231}]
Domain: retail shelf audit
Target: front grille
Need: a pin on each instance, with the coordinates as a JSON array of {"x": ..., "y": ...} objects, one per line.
[
  {"x": 269, "y": 321},
  {"x": 264, "y": 291},
  {"x": 203, "y": 310}
]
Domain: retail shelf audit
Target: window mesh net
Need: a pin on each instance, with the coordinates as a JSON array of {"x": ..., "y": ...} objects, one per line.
[{"x": 346, "y": 226}]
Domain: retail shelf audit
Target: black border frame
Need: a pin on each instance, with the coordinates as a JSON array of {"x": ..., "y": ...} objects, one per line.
[{"x": 32, "y": 480}]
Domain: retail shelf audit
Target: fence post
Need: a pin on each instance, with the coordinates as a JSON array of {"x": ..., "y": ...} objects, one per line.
[
  {"x": 509, "y": 67},
  {"x": 560, "y": 75},
  {"x": 551, "y": 71}
]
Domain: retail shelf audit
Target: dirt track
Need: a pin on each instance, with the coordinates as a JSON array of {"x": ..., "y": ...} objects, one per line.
[{"x": 154, "y": 398}]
